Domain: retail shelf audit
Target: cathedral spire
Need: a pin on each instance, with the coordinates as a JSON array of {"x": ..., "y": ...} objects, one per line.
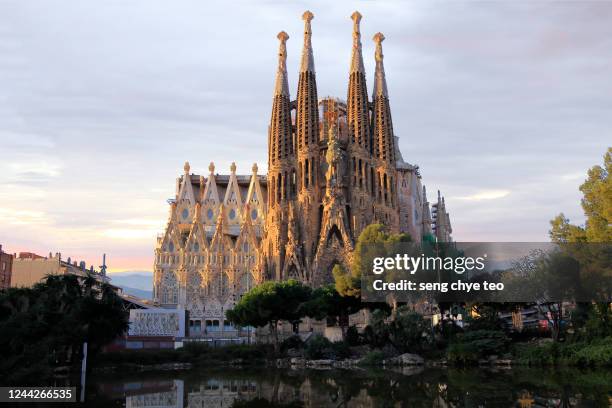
[
  {"x": 307, "y": 112},
  {"x": 382, "y": 125},
  {"x": 380, "y": 83},
  {"x": 280, "y": 137},
  {"x": 307, "y": 58},
  {"x": 356, "y": 57},
  {"x": 357, "y": 100},
  {"x": 282, "y": 84}
]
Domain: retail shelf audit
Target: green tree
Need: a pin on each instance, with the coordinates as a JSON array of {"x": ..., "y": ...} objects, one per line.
[
  {"x": 328, "y": 303},
  {"x": 408, "y": 331},
  {"x": 594, "y": 259},
  {"x": 271, "y": 302},
  {"x": 597, "y": 205},
  {"x": 373, "y": 240},
  {"x": 48, "y": 323}
]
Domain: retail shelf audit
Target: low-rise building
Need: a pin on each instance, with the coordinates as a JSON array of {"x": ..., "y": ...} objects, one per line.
[
  {"x": 30, "y": 269},
  {"x": 6, "y": 267}
]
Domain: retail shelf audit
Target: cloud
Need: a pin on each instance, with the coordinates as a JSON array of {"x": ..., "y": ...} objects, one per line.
[
  {"x": 574, "y": 176},
  {"x": 501, "y": 105},
  {"x": 130, "y": 233},
  {"x": 485, "y": 195},
  {"x": 12, "y": 216}
]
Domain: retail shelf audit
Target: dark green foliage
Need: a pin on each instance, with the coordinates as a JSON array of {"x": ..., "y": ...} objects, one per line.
[
  {"x": 264, "y": 403},
  {"x": 471, "y": 346},
  {"x": 376, "y": 334},
  {"x": 327, "y": 303},
  {"x": 196, "y": 353},
  {"x": 373, "y": 358},
  {"x": 597, "y": 353},
  {"x": 599, "y": 322},
  {"x": 271, "y": 302},
  {"x": 408, "y": 332},
  {"x": 341, "y": 350},
  {"x": 535, "y": 355},
  {"x": 293, "y": 342},
  {"x": 352, "y": 336},
  {"x": 46, "y": 325},
  {"x": 317, "y": 347},
  {"x": 447, "y": 330}
]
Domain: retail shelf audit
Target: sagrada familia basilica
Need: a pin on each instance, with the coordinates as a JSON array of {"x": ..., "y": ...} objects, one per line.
[{"x": 334, "y": 167}]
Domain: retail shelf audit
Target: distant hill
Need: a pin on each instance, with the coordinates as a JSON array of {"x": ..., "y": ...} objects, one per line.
[
  {"x": 143, "y": 294},
  {"x": 136, "y": 283}
]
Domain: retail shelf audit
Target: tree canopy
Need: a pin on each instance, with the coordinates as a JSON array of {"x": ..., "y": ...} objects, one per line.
[
  {"x": 348, "y": 283},
  {"x": 271, "y": 302},
  {"x": 47, "y": 324},
  {"x": 597, "y": 205}
]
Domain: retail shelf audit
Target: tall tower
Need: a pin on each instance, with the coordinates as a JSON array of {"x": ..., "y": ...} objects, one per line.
[
  {"x": 384, "y": 145},
  {"x": 361, "y": 173},
  {"x": 335, "y": 244},
  {"x": 307, "y": 138},
  {"x": 281, "y": 165}
]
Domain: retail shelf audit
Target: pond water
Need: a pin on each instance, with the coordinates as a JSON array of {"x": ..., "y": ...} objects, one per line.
[{"x": 240, "y": 387}]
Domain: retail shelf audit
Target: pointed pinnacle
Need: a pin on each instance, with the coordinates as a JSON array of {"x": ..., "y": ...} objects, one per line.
[
  {"x": 356, "y": 57},
  {"x": 282, "y": 86},
  {"x": 283, "y": 36},
  {"x": 307, "y": 16},
  {"x": 378, "y": 39},
  {"x": 356, "y": 17},
  {"x": 307, "y": 64}
]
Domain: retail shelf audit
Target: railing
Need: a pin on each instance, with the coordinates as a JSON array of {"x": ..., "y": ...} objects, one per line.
[{"x": 221, "y": 334}]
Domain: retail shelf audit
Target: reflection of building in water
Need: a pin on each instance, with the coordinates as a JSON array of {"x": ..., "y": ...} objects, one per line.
[
  {"x": 221, "y": 393},
  {"x": 218, "y": 393},
  {"x": 140, "y": 396}
]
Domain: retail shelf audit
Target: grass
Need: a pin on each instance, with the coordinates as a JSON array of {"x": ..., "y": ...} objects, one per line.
[{"x": 595, "y": 353}]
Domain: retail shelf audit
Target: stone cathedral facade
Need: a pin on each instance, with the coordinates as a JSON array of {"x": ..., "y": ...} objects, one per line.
[{"x": 334, "y": 167}]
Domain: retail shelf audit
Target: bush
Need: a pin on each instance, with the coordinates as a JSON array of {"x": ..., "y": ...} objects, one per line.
[
  {"x": 195, "y": 348},
  {"x": 463, "y": 354},
  {"x": 196, "y": 353},
  {"x": 377, "y": 333},
  {"x": 341, "y": 350},
  {"x": 408, "y": 331},
  {"x": 375, "y": 357},
  {"x": 535, "y": 355},
  {"x": 352, "y": 336},
  {"x": 598, "y": 353},
  {"x": 473, "y": 345},
  {"x": 447, "y": 331},
  {"x": 317, "y": 347},
  {"x": 293, "y": 342}
]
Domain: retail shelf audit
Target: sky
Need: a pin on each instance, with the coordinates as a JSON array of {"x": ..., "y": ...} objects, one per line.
[{"x": 504, "y": 105}]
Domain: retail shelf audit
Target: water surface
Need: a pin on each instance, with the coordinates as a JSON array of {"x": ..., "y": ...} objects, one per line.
[{"x": 353, "y": 388}]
